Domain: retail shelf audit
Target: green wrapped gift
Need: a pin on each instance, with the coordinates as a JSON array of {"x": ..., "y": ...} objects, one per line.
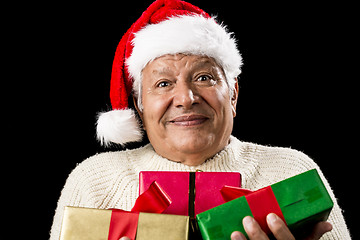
[{"x": 301, "y": 201}]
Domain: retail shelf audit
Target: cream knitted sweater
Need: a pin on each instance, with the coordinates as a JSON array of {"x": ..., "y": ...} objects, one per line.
[{"x": 110, "y": 180}]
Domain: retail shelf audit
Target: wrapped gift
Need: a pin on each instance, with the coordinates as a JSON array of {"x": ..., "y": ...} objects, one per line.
[
  {"x": 84, "y": 223},
  {"x": 191, "y": 192},
  {"x": 162, "y": 226},
  {"x": 301, "y": 201},
  {"x": 97, "y": 224}
]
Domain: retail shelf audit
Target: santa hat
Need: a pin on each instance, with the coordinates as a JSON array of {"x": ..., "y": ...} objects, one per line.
[{"x": 166, "y": 27}]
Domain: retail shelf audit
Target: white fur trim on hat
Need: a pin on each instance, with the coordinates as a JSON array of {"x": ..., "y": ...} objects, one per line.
[
  {"x": 118, "y": 126},
  {"x": 188, "y": 34}
]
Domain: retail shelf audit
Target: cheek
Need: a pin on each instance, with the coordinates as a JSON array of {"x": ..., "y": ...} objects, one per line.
[
  {"x": 219, "y": 100},
  {"x": 154, "y": 109}
]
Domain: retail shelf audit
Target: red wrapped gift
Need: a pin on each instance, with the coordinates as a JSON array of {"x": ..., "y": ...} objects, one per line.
[{"x": 191, "y": 192}]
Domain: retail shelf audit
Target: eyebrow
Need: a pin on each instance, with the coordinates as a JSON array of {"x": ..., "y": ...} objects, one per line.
[
  {"x": 162, "y": 71},
  {"x": 203, "y": 62}
]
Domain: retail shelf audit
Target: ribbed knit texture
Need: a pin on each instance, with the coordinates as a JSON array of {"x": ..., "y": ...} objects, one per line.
[{"x": 111, "y": 180}]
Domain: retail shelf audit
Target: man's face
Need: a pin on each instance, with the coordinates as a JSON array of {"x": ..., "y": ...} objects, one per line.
[{"x": 187, "y": 111}]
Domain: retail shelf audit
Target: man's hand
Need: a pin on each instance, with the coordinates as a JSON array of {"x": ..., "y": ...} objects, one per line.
[{"x": 278, "y": 228}]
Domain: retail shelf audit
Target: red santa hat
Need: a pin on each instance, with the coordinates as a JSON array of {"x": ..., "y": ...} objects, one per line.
[{"x": 166, "y": 27}]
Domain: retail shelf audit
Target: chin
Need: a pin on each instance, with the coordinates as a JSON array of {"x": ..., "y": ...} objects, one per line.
[{"x": 194, "y": 142}]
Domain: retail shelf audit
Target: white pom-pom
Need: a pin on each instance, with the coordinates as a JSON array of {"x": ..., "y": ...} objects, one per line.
[{"x": 118, "y": 126}]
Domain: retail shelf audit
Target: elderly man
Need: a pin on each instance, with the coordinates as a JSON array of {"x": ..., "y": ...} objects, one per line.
[{"x": 181, "y": 68}]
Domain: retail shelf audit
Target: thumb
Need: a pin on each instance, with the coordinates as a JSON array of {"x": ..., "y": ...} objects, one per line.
[
  {"x": 124, "y": 238},
  {"x": 320, "y": 229}
]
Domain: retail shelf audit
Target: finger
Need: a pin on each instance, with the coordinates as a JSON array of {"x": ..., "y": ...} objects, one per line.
[
  {"x": 237, "y": 236},
  {"x": 124, "y": 238},
  {"x": 278, "y": 227},
  {"x": 320, "y": 229},
  {"x": 253, "y": 229}
]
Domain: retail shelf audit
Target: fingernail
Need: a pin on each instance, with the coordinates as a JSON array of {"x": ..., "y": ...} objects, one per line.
[
  {"x": 237, "y": 236},
  {"x": 328, "y": 226},
  {"x": 271, "y": 218},
  {"x": 248, "y": 221}
]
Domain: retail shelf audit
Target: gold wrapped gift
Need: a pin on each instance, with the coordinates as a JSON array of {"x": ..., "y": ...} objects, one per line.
[
  {"x": 85, "y": 224},
  {"x": 162, "y": 227},
  {"x": 94, "y": 224}
]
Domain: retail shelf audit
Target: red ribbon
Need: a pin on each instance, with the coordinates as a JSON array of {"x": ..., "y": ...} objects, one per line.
[
  {"x": 153, "y": 200},
  {"x": 230, "y": 193},
  {"x": 261, "y": 203},
  {"x": 124, "y": 223}
]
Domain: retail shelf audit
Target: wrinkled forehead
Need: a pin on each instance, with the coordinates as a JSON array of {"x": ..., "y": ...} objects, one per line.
[{"x": 174, "y": 64}]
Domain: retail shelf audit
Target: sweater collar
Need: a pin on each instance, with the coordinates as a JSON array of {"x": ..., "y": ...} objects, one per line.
[{"x": 224, "y": 161}]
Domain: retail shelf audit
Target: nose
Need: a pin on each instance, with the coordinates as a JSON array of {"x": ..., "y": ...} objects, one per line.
[{"x": 185, "y": 96}]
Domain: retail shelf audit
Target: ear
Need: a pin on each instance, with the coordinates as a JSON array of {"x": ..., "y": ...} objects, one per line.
[
  {"x": 235, "y": 97},
  {"x": 139, "y": 111}
]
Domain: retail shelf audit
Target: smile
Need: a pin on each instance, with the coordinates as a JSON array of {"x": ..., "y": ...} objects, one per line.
[{"x": 188, "y": 120}]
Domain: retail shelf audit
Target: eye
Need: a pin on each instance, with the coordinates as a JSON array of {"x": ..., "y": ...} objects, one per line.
[
  {"x": 203, "y": 78},
  {"x": 162, "y": 84}
]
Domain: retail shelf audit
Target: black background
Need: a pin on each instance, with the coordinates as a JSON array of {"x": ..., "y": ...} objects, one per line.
[{"x": 297, "y": 88}]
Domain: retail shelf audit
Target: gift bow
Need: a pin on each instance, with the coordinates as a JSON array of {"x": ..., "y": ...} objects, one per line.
[
  {"x": 261, "y": 202},
  {"x": 153, "y": 200},
  {"x": 124, "y": 223}
]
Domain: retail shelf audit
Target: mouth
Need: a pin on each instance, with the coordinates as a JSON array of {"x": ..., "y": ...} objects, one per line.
[{"x": 189, "y": 120}]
